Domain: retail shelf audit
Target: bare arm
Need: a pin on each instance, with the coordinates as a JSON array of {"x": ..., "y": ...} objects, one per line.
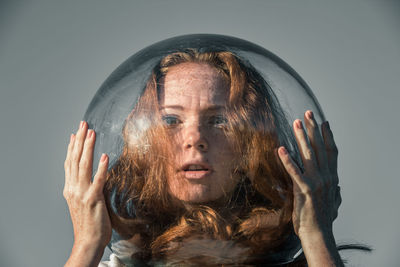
[
  {"x": 85, "y": 256},
  {"x": 320, "y": 249},
  {"x": 316, "y": 191},
  {"x": 85, "y": 199}
]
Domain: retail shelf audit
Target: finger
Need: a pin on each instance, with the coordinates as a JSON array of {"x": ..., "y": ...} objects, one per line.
[
  {"x": 338, "y": 202},
  {"x": 316, "y": 140},
  {"x": 306, "y": 152},
  {"x": 101, "y": 174},
  {"x": 67, "y": 162},
  {"x": 291, "y": 167},
  {"x": 86, "y": 162},
  {"x": 77, "y": 151},
  {"x": 331, "y": 150},
  {"x": 338, "y": 198}
]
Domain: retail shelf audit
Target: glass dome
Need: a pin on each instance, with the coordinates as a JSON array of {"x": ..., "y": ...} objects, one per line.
[{"x": 144, "y": 111}]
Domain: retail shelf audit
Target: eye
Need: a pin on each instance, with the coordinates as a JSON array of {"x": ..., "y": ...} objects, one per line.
[
  {"x": 171, "y": 120},
  {"x": 218, "y": 121}
]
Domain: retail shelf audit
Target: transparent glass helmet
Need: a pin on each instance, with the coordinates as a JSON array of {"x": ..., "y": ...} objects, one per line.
[{"x": 192, "y": 125}]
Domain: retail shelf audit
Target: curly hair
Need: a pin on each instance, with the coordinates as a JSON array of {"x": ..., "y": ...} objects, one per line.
[{"x": 254, "y": 221}]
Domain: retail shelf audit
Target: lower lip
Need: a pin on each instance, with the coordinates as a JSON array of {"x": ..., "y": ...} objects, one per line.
[{"x": 196, "y": 174}]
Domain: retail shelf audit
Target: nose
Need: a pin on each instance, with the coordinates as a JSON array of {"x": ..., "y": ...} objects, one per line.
[{"x": 194, "y": 138}]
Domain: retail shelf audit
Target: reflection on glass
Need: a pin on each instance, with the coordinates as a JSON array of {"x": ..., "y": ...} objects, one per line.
[{"x": 192, "y": 125}]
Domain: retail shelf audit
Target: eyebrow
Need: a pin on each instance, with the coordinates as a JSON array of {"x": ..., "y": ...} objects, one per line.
[{"x": 209, "y": 108}]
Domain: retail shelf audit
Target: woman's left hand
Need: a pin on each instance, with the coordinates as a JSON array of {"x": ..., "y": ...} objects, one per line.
[{"x": 316, "y": 192}]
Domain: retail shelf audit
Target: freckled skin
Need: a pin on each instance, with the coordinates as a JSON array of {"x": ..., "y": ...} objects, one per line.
[{"x": 189, "y": 92}]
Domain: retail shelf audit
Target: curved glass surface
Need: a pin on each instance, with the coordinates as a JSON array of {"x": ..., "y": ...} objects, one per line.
[{"x": 191, "y": 125}]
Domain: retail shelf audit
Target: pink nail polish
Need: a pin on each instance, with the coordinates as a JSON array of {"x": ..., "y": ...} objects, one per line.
[
  {"x": 310, "y": 115},
  {"x": 90, "y": 134},
  {"x": 283, "y": 151},
  {"x": 103, "y": 157},
  {"x": 299, "y": 124}
]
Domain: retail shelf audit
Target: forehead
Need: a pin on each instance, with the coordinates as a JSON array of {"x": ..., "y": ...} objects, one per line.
[{"x": 199, "y": 81}]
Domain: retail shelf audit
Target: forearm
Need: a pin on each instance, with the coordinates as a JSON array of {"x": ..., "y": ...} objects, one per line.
[
  {"x": 320, "y": 249},
  {"x": 85, "y": 256}
]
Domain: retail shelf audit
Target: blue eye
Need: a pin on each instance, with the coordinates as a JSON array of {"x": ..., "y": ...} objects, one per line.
[
  {"x": 218, "y": 121},
  {"x": 171, "y": 120}
]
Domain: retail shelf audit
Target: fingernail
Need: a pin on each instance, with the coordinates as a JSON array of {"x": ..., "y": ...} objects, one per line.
[
  {"x": 327, "y": 125},
  {"x": 283, "y": 151},
  {"x": 299, "y": 125},
  {"x": 71, "y": 138},
  {"x": 310, "y": 114},
  {"x": 103, "y": 157},
  {"x": 81, "y": 124},
  {"x": 90, "y": 134}
]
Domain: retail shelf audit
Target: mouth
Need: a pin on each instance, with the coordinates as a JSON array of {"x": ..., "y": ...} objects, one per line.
[{"x": 196, "y": 170}]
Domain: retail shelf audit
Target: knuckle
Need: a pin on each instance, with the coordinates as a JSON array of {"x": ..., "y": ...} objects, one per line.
[
  {"x": 83, "y": 163},
  {"x": 308, "y": 190},
  {"x": 65, "y": 194},
  {"x": 85, "y": 200},
  {"x": 335, "y": 214},
  {"x": 89, "y": 143},
  {"x": 78, "y": 143},
  {"x": 75, "y": 193},
  {"x": 293, "y": 171},
  {"x": 312, "y": 124},
  {"x": 75, "y": 157},
  {"x": 98, "y": 183},
  {"x": 308, "y": 153},
  {"x": 333, "y": 149},
  {"x": 68, "y": 194},
  {"x": 100, "y": 174},
  {"x": 90, "y": 200}
]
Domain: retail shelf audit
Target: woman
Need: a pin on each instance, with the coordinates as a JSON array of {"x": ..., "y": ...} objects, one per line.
[{"x": 205, "y": 177}]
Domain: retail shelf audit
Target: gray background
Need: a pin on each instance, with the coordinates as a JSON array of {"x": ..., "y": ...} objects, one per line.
[{"x": 55, "y": 54}]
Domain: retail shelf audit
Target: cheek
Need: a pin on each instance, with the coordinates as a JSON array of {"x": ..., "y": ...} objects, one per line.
[
  {"x": 175, "y": 137},
  {"x": 175, "y": 184},
  {"x": 223, "y": 147}
]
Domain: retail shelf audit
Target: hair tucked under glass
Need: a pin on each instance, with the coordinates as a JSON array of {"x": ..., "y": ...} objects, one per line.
[{"x": 255, "y": 220}]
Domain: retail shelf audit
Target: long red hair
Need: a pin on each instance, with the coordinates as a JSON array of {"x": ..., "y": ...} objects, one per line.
[{"x": 257, "y": 216}]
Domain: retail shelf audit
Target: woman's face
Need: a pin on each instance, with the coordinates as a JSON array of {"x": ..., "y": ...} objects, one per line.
[{"x": 193, "y": 100}]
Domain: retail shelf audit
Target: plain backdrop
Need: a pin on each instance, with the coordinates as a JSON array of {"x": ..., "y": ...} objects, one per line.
[{"x": 54, "y": 55}]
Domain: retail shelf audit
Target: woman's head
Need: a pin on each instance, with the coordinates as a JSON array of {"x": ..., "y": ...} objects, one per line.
[
  {"x": 205, "y": 122},
  {"x": 205, "y": 129}
]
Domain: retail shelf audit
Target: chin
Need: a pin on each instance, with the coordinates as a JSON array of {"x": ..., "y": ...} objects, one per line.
[{"x": 196, "y": 194}]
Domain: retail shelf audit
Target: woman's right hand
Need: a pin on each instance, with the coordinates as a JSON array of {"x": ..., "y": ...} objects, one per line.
[{"x": 85, "y": 199}]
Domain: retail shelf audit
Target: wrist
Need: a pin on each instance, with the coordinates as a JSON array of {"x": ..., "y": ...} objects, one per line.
[
  {"x": 85, "y": 254},
  {"x": 316, "y": 233},
  {"x": 89, "y": 246},
  {"x": 320, "y": 248}
]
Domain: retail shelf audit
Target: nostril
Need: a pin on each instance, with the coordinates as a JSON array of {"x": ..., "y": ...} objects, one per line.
[{"x": 201, "y": 145}]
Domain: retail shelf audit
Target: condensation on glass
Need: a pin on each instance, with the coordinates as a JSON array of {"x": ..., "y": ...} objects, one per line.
[{"x": 127, "y": 121}]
